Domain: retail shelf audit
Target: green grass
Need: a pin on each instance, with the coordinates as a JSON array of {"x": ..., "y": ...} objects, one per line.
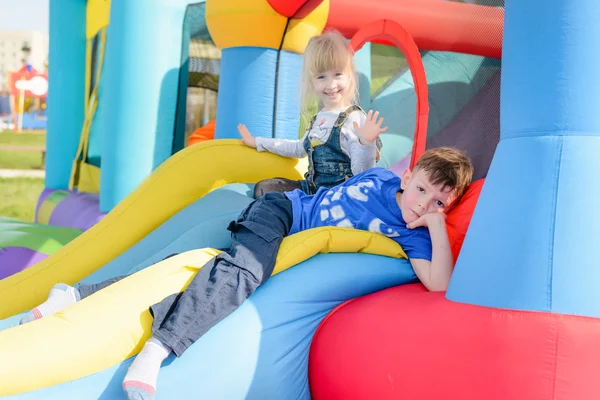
[
  {"x": 22, "y": 159},
  {"x": 18, "y": 197}
]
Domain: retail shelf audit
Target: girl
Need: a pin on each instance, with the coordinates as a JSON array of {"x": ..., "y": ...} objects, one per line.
[{"x": 340, "y": 141}]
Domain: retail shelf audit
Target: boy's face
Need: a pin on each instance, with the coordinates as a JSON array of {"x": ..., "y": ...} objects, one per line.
[{"x": 421, "y": 196}]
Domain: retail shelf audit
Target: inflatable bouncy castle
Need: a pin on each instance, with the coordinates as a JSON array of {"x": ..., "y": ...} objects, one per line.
[
  {"x": 125, "y": 109},
  {"x": 344, "y": 316}
]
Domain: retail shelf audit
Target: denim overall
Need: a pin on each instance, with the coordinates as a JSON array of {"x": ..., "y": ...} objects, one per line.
[{"x": 328, "y": 165}]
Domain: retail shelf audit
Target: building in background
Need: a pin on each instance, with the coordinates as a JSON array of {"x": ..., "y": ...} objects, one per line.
[{"x": 12, "y": 43}]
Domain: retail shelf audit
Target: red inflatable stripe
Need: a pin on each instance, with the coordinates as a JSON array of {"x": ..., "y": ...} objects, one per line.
[
  {"x": 408, "y": 343},
  {"x": 394, "y": 33}
]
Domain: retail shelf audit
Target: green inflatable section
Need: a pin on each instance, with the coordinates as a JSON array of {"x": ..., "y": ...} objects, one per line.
[{"x": 41, "y": 238}]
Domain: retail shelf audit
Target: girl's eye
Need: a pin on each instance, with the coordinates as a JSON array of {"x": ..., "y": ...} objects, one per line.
[
  {"x": 440, "y": 204},
  {"x": 421, "y": 189},
  {"x": 338, "y": 74},
  {"x": 321, "y": 77}
]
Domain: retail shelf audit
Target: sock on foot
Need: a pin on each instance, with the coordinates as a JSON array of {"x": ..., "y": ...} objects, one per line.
[
  {"x": 61, "y": 296},
  {"x": 140, "y": 381}
]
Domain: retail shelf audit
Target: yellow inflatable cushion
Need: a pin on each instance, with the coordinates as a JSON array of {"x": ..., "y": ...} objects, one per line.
[
  {"x": 178, "y": 182},
  {"x": 76, "y": 342},
  {"x": 237, "y": 23},
  {"x": 299, "y": 31}
]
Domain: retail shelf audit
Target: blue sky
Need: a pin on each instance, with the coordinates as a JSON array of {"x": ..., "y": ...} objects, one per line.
[{"x": 24, "y": 14}]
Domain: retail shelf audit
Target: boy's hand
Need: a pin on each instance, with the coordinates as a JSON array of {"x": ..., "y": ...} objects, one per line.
[
  {"x": 428, "y": 220},
  {"x": 247, "y": 138},
  {"x": 434, "y": 274},
  {"x": 371, "y": 129}
]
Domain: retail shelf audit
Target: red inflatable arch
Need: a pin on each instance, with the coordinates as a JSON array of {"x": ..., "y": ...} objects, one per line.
[{"x": 395, "y": 34}]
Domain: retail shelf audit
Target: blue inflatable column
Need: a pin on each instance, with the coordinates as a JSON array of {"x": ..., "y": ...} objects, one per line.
[
  {"x": 66, "y": 92},
  {"x": 287, "y": 110},
  {"x": 139, "y": 102},
  {"x": 533, "y": 240},
  {"x": 248, "y": 93}
]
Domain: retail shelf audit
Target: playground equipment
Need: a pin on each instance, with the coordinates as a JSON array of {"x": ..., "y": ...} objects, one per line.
[
  {"x": 100, "y": 149},
  {"x": 525, "y": 285},
  {"x": 28, "y": 91}
]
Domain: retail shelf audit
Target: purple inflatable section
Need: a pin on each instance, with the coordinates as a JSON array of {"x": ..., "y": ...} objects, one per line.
[
  {"x": 43, "y": 197},
  {"x": 401, "y": 166},
  {"x": 476, "y": 128},
  {"x": 19, "y": 258},
  {"x": 78, "y": 210}
]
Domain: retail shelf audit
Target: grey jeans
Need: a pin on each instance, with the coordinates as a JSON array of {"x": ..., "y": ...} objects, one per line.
[{"x": 227, "y": 280}]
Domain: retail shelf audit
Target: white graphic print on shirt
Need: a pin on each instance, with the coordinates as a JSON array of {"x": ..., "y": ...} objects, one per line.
[
  {"x": 318, "y": 132},
  {"x": 331, "y": 208}
]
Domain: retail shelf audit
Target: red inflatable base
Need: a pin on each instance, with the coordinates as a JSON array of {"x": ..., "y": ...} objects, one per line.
[{"x": 407, "y": 343}]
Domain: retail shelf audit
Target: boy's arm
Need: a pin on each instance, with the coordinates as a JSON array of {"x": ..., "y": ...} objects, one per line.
[{"x": 434, "y": 274}]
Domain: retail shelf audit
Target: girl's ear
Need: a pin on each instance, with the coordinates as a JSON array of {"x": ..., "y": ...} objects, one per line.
[{"x": 405, "y": 178}]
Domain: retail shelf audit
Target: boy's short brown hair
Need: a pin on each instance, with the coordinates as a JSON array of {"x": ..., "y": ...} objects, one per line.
[{"x": 448, "y": 167}]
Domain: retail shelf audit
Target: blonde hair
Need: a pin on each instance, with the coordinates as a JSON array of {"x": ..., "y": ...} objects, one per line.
[
  {"x": 326, "y": 52},
  {"x": 448, "y": 167}
]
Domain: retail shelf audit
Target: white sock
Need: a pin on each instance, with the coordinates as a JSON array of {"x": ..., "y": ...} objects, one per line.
[
  {"x": 61, "y": 296},
  {"x": 140, "y": 381}
]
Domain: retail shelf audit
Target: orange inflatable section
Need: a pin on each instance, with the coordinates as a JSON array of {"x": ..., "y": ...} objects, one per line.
[
  {"x": 204, "y": 133},
  {"x": 433, "y": 24}
]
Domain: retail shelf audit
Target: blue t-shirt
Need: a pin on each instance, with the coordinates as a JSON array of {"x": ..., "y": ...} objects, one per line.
[{"x": 366, "y": 201}]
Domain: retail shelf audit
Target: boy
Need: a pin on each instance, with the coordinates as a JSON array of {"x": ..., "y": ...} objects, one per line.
[{"x": 408, "y": 210}]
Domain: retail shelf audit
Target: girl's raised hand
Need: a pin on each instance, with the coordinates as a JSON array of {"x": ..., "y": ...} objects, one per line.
[
  {"x": 247, "y": 138},
  {"x": 371, "y": 129}
]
